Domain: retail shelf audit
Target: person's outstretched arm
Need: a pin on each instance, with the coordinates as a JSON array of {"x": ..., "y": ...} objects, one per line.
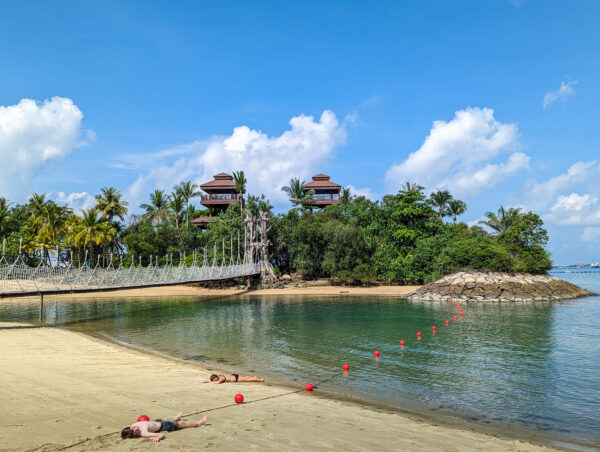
[{"x": 154, "y": 437}]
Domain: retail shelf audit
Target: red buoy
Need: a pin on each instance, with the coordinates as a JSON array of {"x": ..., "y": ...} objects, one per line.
[
  {"x": 143, "y": 417},
  {"x": 462, "y": 313},
  {"x": 346, "y": 367},
  {"x": 402, "y": 343},
  {"x": 453, "y": 302},
  {"x": 454, "y": 318},
  {"x": 433, "y": 328},
  {"x": 459, "y": 308},
  {"x": 309, "y": 387},
  {"x": 447, "y": 322},
  {"x": 418, "y": 334},
  {"x": 376, "y": 353},
  {"x": 239, "y": 398}
]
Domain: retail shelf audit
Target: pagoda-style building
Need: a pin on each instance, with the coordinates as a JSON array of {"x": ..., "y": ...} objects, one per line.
[
  {"x": 221, "y": 192},
  {"x": 326, "y": 192}
]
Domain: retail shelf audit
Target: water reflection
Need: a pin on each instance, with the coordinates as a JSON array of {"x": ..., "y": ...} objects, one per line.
[{"x": 534, "y": 365}]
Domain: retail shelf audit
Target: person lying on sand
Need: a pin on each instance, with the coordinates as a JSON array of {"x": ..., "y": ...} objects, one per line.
[
  {"x": 233, "y": 378},
  {"x": 152, "y": 429}
]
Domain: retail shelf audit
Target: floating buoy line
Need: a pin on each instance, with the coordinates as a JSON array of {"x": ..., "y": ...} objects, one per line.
[{"x": 239, "y": 398}]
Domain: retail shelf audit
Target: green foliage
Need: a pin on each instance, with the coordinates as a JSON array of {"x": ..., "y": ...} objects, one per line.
[
  {"x": 524, "y": 239},
  {"x": 401, "y": 239}
]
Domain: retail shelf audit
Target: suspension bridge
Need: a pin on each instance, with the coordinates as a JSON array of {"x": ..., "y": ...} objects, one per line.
[{"x": 19, "y": 279}]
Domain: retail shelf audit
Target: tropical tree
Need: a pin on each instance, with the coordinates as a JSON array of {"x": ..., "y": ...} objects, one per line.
[
  {"x": 92, "y": 230},
  {"x": 177, "y": 206},
  {"x": 158, "y": 209},
  {"x": 411, "y": 187},
  {"x": 4, "y": 214},
  {"x": 52, "y": 225},
  {"x": 109, "y": 203},
  {"x": 187, "y": 190},
  {"x": 456, "y": 207},
  {"x": 440, "y": 200},
  {"x": 345, "y": 196},
  {"x": 36, "y": 203},
  {"x": 501, "y": 222},
  {"x": 239, "y": 179},
  {"x": 296, "y": 193}
]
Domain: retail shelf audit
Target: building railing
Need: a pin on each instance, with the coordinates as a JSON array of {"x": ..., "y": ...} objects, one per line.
[
  {"x": 324, "y": 197},
  {"x": 221, "y": 197}
]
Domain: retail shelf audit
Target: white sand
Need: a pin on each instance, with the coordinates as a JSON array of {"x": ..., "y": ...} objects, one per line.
[{"x": 58, "y": 387}]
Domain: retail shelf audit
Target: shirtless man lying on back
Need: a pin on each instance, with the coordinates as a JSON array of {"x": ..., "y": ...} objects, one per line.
[{"x": 152, "y": 429}]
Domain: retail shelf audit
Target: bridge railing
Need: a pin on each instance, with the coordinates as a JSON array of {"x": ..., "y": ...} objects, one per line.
[{"x": 18, "y": 278}]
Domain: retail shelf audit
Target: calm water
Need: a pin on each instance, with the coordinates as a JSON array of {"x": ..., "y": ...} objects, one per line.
[{"x": 531, "y": 366}]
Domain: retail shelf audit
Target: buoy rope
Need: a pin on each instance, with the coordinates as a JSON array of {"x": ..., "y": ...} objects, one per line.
[
  {"x": 233, "y": 404},
  {"x": 210, "y": 409}
]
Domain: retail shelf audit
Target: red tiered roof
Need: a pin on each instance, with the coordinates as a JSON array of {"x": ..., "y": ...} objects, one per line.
[{"x": 321, "y": 182}]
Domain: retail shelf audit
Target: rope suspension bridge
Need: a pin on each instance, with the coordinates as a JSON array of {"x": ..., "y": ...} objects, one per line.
[{"x": 103, "y": 273}]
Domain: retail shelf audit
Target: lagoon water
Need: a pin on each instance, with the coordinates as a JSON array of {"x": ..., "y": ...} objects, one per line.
[{"x": 529, "y": 366}]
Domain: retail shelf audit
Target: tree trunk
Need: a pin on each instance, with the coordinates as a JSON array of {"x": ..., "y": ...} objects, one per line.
[{"x": 91, "y": 255}]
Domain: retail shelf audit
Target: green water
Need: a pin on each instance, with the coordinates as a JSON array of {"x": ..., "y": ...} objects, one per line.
[{"x": 529, "y": 366}]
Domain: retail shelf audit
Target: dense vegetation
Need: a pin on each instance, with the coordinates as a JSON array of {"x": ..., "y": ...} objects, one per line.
[{"x": 401, "y": 239}]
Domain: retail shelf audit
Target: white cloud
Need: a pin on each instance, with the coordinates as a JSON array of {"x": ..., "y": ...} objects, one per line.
[
  {"x": 32, "y": 134},
  {"x": 575, "y": 210},
  {"x": 456, "y": 154},
  {"x": 541, "y": 195},
  {"x": 565, "y": 91},
  {"x": 268, "y": 161},
  {"x": 366, "y": 192},
  {"x": 591, "y": 235},
  {"x": 76, "y": 201}
]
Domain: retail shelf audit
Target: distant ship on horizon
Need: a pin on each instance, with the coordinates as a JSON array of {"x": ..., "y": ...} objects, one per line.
[{"x": 595, "y": 265}]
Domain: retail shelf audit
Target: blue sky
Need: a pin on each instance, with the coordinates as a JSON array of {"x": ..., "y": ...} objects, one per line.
[{"x": 496, "y": 101}]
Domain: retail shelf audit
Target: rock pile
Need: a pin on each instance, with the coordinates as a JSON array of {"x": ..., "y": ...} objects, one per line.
[{"x": 480, "y": 286}]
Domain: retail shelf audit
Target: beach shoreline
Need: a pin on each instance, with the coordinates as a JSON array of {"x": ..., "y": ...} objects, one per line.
[
  {"x": 195, "y": 291},
  {"x": 64, "y": 387}
]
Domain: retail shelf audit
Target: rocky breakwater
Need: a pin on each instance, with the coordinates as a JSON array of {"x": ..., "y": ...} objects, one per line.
[{"x": 481, "y": 286}]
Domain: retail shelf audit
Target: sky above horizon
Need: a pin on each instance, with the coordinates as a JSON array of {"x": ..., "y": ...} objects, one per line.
[{"x": 495, "y": 101}]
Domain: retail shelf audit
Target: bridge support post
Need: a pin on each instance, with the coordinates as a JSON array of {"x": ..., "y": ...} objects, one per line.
[{"x": 41, "y": 307}]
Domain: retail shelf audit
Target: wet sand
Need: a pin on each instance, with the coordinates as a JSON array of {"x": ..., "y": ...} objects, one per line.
[
  {"x": 191, "y": 291},
  {"x": 60, "y": 387}
]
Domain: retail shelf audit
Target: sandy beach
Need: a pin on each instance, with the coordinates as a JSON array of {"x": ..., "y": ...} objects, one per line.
[
  {"x": 60, "y": 387},
  {"x": 192, "y": 291}
]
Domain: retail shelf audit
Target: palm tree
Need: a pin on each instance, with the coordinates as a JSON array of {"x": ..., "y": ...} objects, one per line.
[
  {"x": 187, "y": 190},
  {"x": 440, "y": 199},
  {"x": 412, "y": 187},
  {"x": 177, "y": 206},
  {"x": 109, "y": 203},
  {"x": 37, "y": 203},
  {"x": 296, "y": 193},
  {"x": 456, "y": 207},
  {"x": 92, "y": 230},
  {"x": 158, "y": 209},
  {"x": 4, "y": 213},
  {"x": 52, "y": 226},
  {"x": 500, "y": 222},
  {"x": 239, "y": 179},
  {"x": 345, "y": 196}
]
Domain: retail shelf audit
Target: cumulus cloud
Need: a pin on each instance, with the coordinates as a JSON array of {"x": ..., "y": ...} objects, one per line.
[
  {"x": 268, "y": 161},
  {"x": 32, "y": 134},
  {"x": 591, "y": 235},
  {"x": 76, "y": 201},
  {"x": 457, "y": 154},
  {"x": 575, "y": 210},
  {"x": 366, "y": 192},
  {"x": 541, "y": 195},
  {"x": 565, "y": 91}
]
